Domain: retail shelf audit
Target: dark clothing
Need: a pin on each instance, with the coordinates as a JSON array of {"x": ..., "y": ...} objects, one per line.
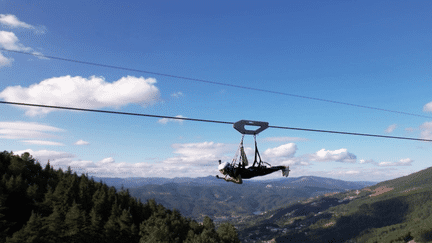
[{"x": 247, "y": 173}]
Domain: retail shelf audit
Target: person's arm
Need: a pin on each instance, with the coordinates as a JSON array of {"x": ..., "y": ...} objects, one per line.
[{"x": 237, "y": 180}]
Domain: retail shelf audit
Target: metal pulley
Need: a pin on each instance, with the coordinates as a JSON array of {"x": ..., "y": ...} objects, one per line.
[{"x": 240, "y": 126}]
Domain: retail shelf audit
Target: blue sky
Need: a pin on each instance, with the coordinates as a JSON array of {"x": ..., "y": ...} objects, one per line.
[{"x": 371, "y": 53}]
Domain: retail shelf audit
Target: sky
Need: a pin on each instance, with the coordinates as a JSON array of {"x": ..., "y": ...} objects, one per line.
[{"x": 369, "y": 53}]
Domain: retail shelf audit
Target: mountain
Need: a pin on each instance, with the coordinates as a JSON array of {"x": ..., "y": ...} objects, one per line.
[
  {"x": 398, "y": 210},
  {"x": 220, "y": 200},
  {"x": 311, "y": 181}
]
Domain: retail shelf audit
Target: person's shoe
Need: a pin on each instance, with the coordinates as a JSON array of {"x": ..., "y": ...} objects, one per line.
[{"x": 285, "y": 172}]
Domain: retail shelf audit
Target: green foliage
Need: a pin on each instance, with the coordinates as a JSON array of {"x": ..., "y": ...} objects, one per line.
[
  {"x": 57, "y": 206},
  {"x": 31, "y": 233},
  {"x": 228, "y": 233}
]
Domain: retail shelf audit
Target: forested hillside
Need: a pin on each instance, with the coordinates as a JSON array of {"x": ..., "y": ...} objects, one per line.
[
  {"x": 46, "y": 205},
  {"x": 398, "y": 210}
]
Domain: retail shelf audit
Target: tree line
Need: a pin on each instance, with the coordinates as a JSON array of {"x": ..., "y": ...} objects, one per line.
[{"x": 46, "y": 205}]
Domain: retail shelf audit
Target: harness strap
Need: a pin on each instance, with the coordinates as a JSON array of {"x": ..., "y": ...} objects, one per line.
[{"x": 257, "y": 154}]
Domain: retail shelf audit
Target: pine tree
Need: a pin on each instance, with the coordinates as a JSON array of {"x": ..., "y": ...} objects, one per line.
[
  {"x": 4, "y": 224},
  {"x": 5, "y": 158},
  {"x": 95, "y": 230},
  {"x": 112, "y": 227},
  {"x": 209, "y": 233},
  {"x": 228, "y": 233},
  {"x": 32, "y": 191},
  {"x": 16, "y": 165},
  {"x": 125, "y": 223},
  {"x": 32, "y": 232},
  {"x": 74, "y": 223},
  {"x": 54, "y": 225},
  {"x": 84, "y": 197}
]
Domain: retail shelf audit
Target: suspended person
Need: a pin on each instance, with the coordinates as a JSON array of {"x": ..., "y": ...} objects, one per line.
[{"x": 238, "y": 173}]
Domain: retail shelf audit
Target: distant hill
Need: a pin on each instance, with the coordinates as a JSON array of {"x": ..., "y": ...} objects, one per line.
[
  {"x": 303, "y": 181},
  {"x": 220, "y": 200},
  {"x": 398, "y": 210}
]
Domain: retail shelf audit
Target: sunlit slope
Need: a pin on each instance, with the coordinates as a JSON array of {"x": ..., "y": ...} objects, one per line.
[
  {"x": 397, "y": 210},
  {"x": 418, "y": 180}
]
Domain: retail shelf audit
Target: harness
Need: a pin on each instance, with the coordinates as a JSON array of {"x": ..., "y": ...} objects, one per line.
[{"x": 240, "y": 160}]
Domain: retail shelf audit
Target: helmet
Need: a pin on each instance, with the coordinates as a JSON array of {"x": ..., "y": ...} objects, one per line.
[{"x": 223, "y": 165}]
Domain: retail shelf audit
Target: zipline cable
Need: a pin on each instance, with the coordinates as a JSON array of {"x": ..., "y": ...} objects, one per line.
[
  {"x": 114, "y": 112},
  {"x": 210, "y": 121},
  {"x": 214, "y": 82}
]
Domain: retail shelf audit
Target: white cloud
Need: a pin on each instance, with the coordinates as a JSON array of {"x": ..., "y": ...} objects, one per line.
[
  {"x": 12, "y": 21},
  {"x": 39, "y": 55},
  {"x": 43, "y": 142},
  {"x": 200, "y": 154},
  {"x": 4, "y": 61},
  {"x": 343, "y": 172},
  {"x": 26, "y": 130},
  {"x": 426, "y": 130},
  {"x": 9, "y": 41},
  {"x": 340, "y": 155},
  {"x": 177, "y": 94},
  {"x": 283, "y": 151},
  {"x": 368, "y": 161},
  {"x": 77, "y": 91},
  {"x": 391, "y": 128},
  {"x": 294, "y": 161},
  {"x": 187, "y": 163},
  {"x": 81, "y": 142},
  {"x": 284, "y": 139},
  {"x": 166, "y": 120},
  {"x": 108, "y": 160},
  {"x": 427, "y": 107},
  {"x": 361, "y": 173},
  {"x": 55, "y": 157},
  {"x": 402, "y": 162}
]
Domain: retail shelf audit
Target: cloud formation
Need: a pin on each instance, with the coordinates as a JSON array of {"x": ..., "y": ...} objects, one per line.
[
  {"x": 203, "y": 154},
  {"x": 13, "y": 22},
  {"x": 92, "y": 93},
  {"x": 368, "y": 161},
  {"x": 108, "y": 160},
  {"x": 340, "y": 155},
  {"x": 43, "y": 156},
  {"x": 4, "y": 61},
  {"x": 428, "y": 107},
  {"x": 108, "y": 167},
  {"x": 402, "y": 162},
  {"x": 284, "y": 151},
  {"x": 390, "y": 128},
  {"x": 81, "y": 142},
  {"x": 27, "y": 130},
  {"x": 43, "y": 142},
  {"x": 177, "y": 94},
  {"x": 9, "y": 41},
  {"x": 166, "y": 120},
  {"x": 343, "y": 172},
  {"x": 426, "y": 130}
]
